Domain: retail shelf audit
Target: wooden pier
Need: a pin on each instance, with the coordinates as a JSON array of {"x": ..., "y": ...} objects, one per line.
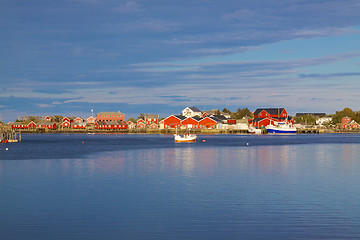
[
  {"x": 8, "y": 137},
  {"x": 310, "y": 130}
]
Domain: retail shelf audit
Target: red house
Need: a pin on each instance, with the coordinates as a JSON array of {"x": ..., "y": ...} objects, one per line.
[
  {"x": 111, "y": 125},
  {"x": 81, "y": 125},
  {"x": 32, "y": 125},
  {"x": 173, "y": 121},
  {"x": 154, "y": 126},
  {"x": 48, "y": 119},
  {"x": 209, "y": 122},
  {"x": 345, "y": 120},
  {"x": 151, "y": 118},
  {"x": 90, "y": 120},
  {"x": 46, "y": 125},
  {"x": 110, "y": 116},
  {"x": 140, "y": 123},
  {"x": 190, "y": 122},
  {"x": 78, "y": 120},
  {"x": 266, "y": 116}
]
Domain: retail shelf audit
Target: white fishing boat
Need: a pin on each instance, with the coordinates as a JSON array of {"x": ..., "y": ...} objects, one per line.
[
  {"x": 281, "y": 127},
  {"x": 187, "y": 137}
]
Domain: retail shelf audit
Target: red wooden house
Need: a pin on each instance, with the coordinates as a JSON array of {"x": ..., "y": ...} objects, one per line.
[
  {"x": 65, "y": 122},
  {"x": 78, "y": 120},
  {"x": 46, "y": 125},
  {"x": 153, "y": 126},
  {"x": 209, "y": 122},
  {"x": 32, "y": 125},
  {"x": 190, "y": 122},
  {"x": 111, "y": 125},
  {"x": 79, "y": 125},
  {"x": 354, "y": 125},
  {"x": 48, "y": 119},
  {"x": 140, "y": 123},
  {"x": 110, "y": 116},
  {"x": 266, "y": 116},
  {"x": 346, "y": 120},
  {"x": 173, "y": 121},
  {"x": 151, "y": 118},
  {"x": 90, "y": 120}
]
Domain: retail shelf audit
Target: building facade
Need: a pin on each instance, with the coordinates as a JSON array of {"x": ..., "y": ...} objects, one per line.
[{"x": 110, "y": 116}]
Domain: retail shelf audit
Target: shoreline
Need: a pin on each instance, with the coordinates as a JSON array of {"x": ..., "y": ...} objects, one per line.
[{"x": 173, "y": 131}]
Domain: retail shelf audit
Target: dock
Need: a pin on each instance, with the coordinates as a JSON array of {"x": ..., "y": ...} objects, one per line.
[{"x": 9, "y": 137}]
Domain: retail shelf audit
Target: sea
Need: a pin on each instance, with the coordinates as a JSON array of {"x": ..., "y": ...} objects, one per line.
[{"x": 143, "y": 186}]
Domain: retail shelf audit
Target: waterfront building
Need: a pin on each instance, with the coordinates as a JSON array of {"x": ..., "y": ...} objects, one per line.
[
  {"x": 190, "y": 122},
  {"x": 90, "y": 120},
  {"x": 173, "y": 121},
  {"x": 323, "y": 120},
  {"x": 140, "y": 123},
  {"x": 111, "y": 125},
  {"x": 345, "y": 120},
  {"x": 78, "y": 125},
  {"x": 110, "y": 116},
  {"x": 151, "y": 118},
  {"x": 191, "y": 112},
  {"x": 266, "y": 116},
  {"x": 46, "y": 125},
  {"x": 78, "y": 120}
]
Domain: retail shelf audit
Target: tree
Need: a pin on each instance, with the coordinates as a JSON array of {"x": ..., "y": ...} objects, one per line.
[
  {"x": 132, "y": 119},
  {"x": 244, "y": 112},
  {"x": 225, "y": 110},
  {"x": 346, "y": 112},
  {"x": 142, "y": 116},
  {"x": 306, "y": 119}
]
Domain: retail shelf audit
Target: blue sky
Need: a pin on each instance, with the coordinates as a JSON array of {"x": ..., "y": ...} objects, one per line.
[{"x": 67, "y": 57}]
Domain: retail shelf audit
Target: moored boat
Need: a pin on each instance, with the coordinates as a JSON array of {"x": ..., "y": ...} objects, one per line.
[
  {"x": 185, "y": 138},
  {"x": 281, "y": 127}
]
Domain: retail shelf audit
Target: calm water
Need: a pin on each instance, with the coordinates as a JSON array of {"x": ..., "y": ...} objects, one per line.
[{"x": 148, "y": 187}]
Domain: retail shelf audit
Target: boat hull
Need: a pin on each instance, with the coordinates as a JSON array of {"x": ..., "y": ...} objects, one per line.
[
  {"x": 272, "y": 130},
  {"x": 179, "y": 138}
]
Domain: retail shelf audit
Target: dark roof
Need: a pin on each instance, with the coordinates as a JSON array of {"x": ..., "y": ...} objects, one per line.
[
  {"x": 195, "y": 109},
  {"x": 269, "y": 110},
  {"x": 216, "y": 119},
  {"x": 220, "y": 117},
  {"x": 314, "y": 114},
  {"x": 181, "y": 117},
  {"x": 197, "y": 118}
]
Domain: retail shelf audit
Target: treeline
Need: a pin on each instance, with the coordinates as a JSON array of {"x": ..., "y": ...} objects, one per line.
[
  {"x": 239, "y": 114},
  {"x": 346, "y": 112},
  {"x": 336, "y": 118}
]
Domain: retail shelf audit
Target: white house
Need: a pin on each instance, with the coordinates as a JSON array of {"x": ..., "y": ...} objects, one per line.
[
  {"x": 191, "y": 112},
  {"x": 323, "y": 120}
]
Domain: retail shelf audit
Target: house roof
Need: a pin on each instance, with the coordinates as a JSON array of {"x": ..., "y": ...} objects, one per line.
[
  {"x": 181, "y": 117},
  {"x": 314, "y": 114},
  {"x": 269, "y": 110},
  {"x": 194, "y": 109},
  {"x": 220, "y": 117},
  {"x": 215, "y": 119},
  {"x": 152, "y": 116},
  {"x": 110, "y": 113}
]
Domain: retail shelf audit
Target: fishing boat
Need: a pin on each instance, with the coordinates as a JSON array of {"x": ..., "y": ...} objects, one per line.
[
  {"x": 187, "y": 137},
  {"x": 281, "y": 127}
]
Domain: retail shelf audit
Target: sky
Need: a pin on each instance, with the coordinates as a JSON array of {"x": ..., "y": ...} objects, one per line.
[{"x": 66, "y": 57}]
